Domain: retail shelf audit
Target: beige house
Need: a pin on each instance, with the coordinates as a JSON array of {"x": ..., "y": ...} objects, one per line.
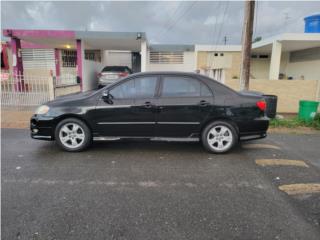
[{"x": 287, "y": 56}]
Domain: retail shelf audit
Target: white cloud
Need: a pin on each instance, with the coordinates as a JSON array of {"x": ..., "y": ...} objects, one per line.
[{"x": 212, "y": 20}]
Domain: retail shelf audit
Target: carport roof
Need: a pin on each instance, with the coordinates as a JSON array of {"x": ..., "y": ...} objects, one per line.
[
  {"x": 290, "y": 42},
  {"x": 171, "y": 48},
  {"x": 93, "y": 39}
]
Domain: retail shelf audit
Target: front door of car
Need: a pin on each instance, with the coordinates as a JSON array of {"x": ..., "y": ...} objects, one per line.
[
  {"x": 129, "y": 109},
  {"x": 184, "y": 104}
]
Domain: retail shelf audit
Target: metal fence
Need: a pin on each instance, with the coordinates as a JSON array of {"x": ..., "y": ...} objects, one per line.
[{"x": 22, "y": 91}]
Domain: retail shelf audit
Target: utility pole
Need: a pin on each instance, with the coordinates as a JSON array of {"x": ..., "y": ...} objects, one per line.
[{"x": 246, "y": 44}]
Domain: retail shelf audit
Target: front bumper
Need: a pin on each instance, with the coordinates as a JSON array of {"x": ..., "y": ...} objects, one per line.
[{"x": 42, "y": 127}]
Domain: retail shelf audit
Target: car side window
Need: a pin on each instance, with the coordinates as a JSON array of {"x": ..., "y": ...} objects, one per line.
[
  {"x": 143, "y": 87},
  {"x": 174, "y": 86},
  {"x": 205, "y": 91}
]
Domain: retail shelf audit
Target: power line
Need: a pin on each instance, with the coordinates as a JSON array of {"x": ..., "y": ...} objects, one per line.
[
  {"x": 210, "y": 59},
  {"x": 255, "y": 33},
  {"x": 179, "y": 18},
  {"x": 222, "y": 23},
  {"x": 170, "y": 19},
  {"x": 285, "y": 24}
]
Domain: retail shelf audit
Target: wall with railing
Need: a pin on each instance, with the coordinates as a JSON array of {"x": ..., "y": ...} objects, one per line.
[
  {"x": 90, "y": 71},
  {"x": 289, "y": 92},
  {"x": 26, "y": 91}
]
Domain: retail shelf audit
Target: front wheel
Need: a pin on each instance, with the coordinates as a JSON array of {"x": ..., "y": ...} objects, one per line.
[
  {"x": 73, "y": 135},
  {"x": 219, "y": 137}
]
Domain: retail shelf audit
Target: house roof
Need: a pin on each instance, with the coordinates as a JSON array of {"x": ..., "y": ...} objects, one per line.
[
  {"x": 218, "y": 48},
  {"x": 171, "y": 48},
  {"x": 93, "y": 39},
  {"x": 290, "y": 42}
]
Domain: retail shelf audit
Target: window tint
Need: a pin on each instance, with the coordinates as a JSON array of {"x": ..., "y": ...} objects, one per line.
[
  {"x": 116, "y": 69},
  {"x": 205, "y": 92},
  {"x": 183, "y": 87},
  {"x": 137, "y": 88}
]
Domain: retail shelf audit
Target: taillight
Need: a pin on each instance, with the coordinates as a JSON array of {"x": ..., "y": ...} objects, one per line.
[
  {"x": 262, "y": 105},
  {"x": 99, "y": 75},
  {"x": 123, "y": 74}
]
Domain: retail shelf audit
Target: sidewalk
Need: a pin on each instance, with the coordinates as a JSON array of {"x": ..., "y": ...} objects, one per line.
[{"x": 15, "y": 119}]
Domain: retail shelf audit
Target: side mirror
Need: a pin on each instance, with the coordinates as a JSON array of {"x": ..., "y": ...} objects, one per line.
[{"x": 107, "y": 97}]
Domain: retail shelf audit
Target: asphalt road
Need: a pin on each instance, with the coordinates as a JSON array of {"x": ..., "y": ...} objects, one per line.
[{"x": 152, "y": 190}]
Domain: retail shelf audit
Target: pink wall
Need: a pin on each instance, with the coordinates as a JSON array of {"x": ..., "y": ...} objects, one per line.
[
  {"x": 79, "y": 62},
  {"x": 39, "y": 33}
]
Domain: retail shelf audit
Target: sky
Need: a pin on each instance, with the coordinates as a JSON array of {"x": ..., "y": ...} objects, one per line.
[{"x": 174, "y": 22}]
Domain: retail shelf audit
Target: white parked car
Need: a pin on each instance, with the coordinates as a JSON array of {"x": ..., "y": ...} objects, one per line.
[{"x": 111, "y": 74}]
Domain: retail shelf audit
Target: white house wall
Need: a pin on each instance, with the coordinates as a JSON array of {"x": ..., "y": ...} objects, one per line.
[
  {"x": 188, "y": 65},
  {"x": 117, "y": 58},
  {"x": 90, "y": 71},
  {"x": 310, "y": 70},
  {"x": 260, "y": 68}
]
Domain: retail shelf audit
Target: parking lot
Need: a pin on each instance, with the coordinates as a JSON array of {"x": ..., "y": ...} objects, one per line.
[{"x": 266, "y": 189}]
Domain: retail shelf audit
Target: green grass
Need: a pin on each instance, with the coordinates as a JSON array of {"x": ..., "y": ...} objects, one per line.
[{"x": 295, "y": 122}]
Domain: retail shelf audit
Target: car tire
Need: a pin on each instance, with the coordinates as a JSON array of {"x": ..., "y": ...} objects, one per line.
[
  {"x": 73, "y": 135},
  {"x": 219, "y": 137}
]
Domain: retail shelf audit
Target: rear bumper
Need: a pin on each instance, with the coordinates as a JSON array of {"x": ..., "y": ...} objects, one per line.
[
  {"x": 253, "y": 129},
  {"x": 42, "y": 128},
  {"x": 253, "y": 136}
]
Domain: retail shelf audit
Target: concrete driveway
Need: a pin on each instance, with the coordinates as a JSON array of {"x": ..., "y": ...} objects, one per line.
[{"x": 152, "y": 190}]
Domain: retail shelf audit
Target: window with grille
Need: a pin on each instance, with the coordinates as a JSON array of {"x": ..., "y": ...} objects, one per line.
[
  {"x": 69, "y": 58},
  {"x": 93, "y": 55},
  {"x": 166, "y": 57}
]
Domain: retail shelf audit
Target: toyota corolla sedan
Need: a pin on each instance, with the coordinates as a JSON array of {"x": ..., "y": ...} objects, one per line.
[{"x": 169, "y": 106}]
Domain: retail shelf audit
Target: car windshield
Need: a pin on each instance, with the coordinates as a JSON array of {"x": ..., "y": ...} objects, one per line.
[{"x": 116, "y": 69}]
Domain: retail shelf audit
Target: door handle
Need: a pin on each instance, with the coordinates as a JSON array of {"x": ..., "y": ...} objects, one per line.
[
  {"x": 203, "y": 103},
  {"x": 148, "y": 105}
]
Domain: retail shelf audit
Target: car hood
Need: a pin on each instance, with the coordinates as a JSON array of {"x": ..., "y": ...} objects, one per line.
[{"x": 73, "y": 97}]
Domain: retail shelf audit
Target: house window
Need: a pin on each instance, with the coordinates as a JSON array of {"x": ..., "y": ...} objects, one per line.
[
  {"x": 264, "y": 56},
  {"x": 34, "y": 58},
  {"x": 166, "y": 57},
  {"x": 216, "y": 54},
  {"x": 221, "y": 54},
  {"x": 93, "y": 55},
  {"x": 69, "y": 58},
  {"x": 261, "y": 56}
]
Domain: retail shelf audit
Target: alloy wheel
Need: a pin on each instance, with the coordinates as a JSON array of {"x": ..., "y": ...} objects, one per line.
[
  {"x": 71, "y": 135},
  {"x": 220, "y": 138}
]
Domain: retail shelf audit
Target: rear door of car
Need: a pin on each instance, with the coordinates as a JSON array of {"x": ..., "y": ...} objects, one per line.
[{"x": 184, "y": 103}]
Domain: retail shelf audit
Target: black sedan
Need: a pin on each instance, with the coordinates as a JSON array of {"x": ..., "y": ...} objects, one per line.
[{"x": 170, "y": 106}]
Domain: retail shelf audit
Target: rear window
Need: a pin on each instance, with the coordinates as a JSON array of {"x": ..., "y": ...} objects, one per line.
[{"x": 116, "y": 69}]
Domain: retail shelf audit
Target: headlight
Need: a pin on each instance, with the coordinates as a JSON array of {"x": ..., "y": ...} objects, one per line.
[{"x": 43, "y": 109}]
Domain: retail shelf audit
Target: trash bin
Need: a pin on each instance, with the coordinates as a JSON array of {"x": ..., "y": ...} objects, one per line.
[
  {"x": 271, "y": 109},
  {"x": 307, "y": 109}
]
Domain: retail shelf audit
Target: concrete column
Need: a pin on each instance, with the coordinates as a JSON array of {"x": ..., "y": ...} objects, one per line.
[
  {"x": 16, "y": 56},
  {"x": 275, "y": 61},
  {"x": 80, "y": 60},
  {"x": 144, "y": 56},
  {"x": 57, "y": 61}
]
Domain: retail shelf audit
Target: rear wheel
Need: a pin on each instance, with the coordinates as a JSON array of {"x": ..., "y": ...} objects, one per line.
[
  {"x": 73, "y": 135},
  {"x": 219, "y": 137}
]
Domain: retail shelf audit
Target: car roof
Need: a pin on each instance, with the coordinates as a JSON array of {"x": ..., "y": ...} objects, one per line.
[{"x": 166, "y": 73}]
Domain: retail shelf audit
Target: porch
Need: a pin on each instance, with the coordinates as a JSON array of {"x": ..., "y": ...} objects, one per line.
[{"x": 72, "y": 57}]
